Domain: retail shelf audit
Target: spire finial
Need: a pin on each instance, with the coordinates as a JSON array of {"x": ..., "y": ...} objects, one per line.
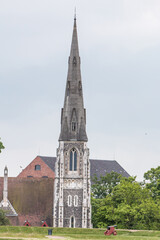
[{"x": 75, "y": 13}]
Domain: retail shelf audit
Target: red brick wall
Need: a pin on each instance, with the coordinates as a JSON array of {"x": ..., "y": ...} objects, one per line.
[
  {"x": 1, "y": 188},
  {"x": 34, "y": 220},
  {"x": 14, "y": 221},
  {"x": 30, "y": 170},
  {"x": 31, "y": 198}
]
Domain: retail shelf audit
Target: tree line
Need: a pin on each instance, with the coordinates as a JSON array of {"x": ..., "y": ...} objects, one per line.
[{"x": 124, "y": 202}]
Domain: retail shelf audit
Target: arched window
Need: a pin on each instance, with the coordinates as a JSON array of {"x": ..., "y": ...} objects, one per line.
[
  {"x": 69, "y": 200},
  {"x": 75, "y": 200},
  {"x": 74, "y": 61},
  {"x": 72, "y": 222},
  {"x": 73, "y": 126},
  {"x": 74, "y": 121},
  {"x": 73, "y": 160}
]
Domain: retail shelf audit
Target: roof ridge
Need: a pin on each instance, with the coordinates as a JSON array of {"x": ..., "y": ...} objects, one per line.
[{"x": 89, "y": 159}]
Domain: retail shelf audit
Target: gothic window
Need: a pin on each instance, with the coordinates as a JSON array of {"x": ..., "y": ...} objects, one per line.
[
  {"x": 75, "y": 200},
  {"x": 69, "y": 200},
  {"x": 68, "y": 84},
  {"x": 74, "y": 61},
  {"x": 72, "y": 222},
  {"x": 73, "y": 120},
  {"x": 80, "y": 85},
  {"x": 73, "y": 126},
  {"x": 68, "y": 87},
  {"x": 73, "y": 160},
  {"x": 37, "y": 167}
]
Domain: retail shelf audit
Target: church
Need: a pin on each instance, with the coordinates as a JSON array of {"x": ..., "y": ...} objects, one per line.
[
  {"x": 72, "y": 190},
  {"x": 67, "y": 177}
]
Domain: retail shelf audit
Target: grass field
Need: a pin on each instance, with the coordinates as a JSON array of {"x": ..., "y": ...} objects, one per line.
[{"x": 28, "y": 233}]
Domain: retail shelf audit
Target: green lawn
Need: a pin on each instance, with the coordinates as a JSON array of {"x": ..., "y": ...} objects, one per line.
[{"x": 10, "y": 232}]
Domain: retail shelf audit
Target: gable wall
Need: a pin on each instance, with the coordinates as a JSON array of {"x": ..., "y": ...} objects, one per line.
[
  {"x": 30, "y": 170},
  {"x": 31, "y": 198}
]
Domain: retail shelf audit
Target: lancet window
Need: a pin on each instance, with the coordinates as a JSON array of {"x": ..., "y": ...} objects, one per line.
[
  {"x": 74, "y": 120},
  {"x": 75, "y": 200},
  {"x": 73, "y": 160},
  {"x": 72, "y": 222},
  {"x": 73, "y": 126},
  {"x": 74, "y": 61},
  {"x": 69, "y": 200}
]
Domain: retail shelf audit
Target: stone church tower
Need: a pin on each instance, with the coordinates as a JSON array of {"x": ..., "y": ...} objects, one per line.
[{"x": 72, "y": 207}]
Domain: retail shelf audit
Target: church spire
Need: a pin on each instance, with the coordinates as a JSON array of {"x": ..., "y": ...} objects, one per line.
[{"x": 73, "y": 117}]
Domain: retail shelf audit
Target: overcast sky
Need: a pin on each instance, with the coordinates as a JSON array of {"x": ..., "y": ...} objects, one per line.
[{"x": 119, "y": 43}]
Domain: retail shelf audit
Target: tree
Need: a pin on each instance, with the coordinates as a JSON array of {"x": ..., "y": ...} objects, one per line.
[
  {"x": 148, "y": 215},
  {"x": 129, "y": 205},
  {"x": 152, "y": 182},
  {"x": 129, "y": 192},
  {"x": 104, "y": 185},
  {"x": 134, "y": 206},
  {"x": 1, "y": 146},
  {"x": 3, "y": 219}
]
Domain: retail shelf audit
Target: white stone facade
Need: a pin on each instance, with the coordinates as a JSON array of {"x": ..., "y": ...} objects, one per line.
[{"x": 72, "y": 189}]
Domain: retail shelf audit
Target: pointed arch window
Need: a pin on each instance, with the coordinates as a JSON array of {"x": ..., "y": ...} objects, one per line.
[
  {"x": 73, "y": 160},
  {"x": 74, "y": 61},
  {"x": 75, "y": 200},
  {"x": 68, "y": 88},
  {"x": 73, "y": 126},
  {"x": 72, "y": 222},
  {"x": 69, "y": 200},
  {"x": 79, "y": 85},
  {"x": 74, "y": 120}
]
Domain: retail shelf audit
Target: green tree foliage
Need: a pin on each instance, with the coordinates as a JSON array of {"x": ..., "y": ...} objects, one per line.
[
  {"x": 152, "y": 182},
  {"x": 128, "y": 205},
  {"x": 3, "y": 219},
  {"x": 104, "y": 185},
  {"x": 148, "y": 215},
  {"x": 1, "y": 146},
  {"x": 129, "y": 192}
]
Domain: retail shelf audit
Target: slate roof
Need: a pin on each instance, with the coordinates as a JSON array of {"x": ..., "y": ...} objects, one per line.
[
  {"x": 50, "y": 161},
  {"x": 73, "y": 116},
  {"x": 101, "y": 167},
  {"x": 98, "y": 167}
]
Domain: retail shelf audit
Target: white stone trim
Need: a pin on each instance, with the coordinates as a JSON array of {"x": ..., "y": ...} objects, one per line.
[
  {"x": 76, "y": 200},
  {"x": 69, "y": 201}
]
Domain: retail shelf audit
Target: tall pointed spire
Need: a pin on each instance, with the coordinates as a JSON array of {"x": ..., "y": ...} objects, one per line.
[
  {"x": 73, "y": 118},
  {"x": 72, "y": 206}
]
